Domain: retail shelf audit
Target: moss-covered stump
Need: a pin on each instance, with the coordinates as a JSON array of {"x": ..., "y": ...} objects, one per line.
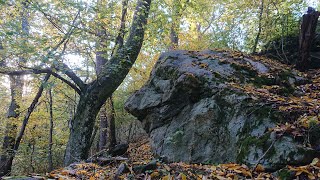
[{"x": 220, "y": 107}]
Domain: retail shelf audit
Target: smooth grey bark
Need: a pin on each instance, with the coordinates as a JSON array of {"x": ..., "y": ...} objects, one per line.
[{"x": 93, "y": 96}]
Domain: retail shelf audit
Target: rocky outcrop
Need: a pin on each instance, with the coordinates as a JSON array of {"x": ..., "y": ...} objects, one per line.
[{"x": 194, "y": 112}]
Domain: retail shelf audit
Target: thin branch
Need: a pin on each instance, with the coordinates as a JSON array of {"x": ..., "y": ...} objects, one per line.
[
  {"x": 119, "y": 39},
  {"x": 29, "y": 70},
  {"x": 264, "y": 154},
  {"x": 50, "y": 19},
  {"x": 28, "y": 114},
  {"x": 67, "y": 71},
  {"x": 62, "y": 66}
]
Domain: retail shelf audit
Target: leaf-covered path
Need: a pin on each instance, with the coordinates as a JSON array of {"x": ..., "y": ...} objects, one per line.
[{"x": 142, "y": 165}]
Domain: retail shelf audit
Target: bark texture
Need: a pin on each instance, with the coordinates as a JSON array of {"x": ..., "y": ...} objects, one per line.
[
  {"x": 103, "y": 133},
  {"x": 111, "y": 122},
  {"x": 94, "y": 95}
]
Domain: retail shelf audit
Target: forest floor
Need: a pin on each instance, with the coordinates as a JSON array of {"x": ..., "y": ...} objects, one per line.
[{"x": 141, "y": 165}]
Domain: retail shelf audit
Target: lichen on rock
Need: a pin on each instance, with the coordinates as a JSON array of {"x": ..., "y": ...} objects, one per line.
[{"x": 195, "y": 109}]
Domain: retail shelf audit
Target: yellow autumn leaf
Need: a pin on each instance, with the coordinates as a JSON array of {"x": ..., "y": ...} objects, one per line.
[
  {"x": 259, "y": 168},
  {"x": 246, "y": 173},
  {"x": 167, "y": 177},
  {"x": 64, "y": 173},
  {"x": 315, "y": 162},
  {"x": 83, "y": 172},
  {"x": 311, "y": 176},
  {"x": 167, "y": 167},
  {"x": 155, "y": 174},
  {"x": 183, "y": 176}
]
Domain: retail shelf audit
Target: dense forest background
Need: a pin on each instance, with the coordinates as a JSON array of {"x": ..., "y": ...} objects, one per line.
[{"x": 258, "y": 26}]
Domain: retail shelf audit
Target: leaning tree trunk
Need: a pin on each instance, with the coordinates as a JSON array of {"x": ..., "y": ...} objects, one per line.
[
  {"x": 93, "y": 95},
  {"x": 7, "y": 153},
  {"x": 107, "y": 114},
  {"x": 307, "y": 35}
]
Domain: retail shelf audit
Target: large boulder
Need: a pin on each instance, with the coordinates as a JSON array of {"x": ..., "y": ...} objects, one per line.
[{"x": 194, "y": 109}]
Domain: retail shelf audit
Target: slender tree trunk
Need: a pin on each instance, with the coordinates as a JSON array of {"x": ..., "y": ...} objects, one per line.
[
  {"x": 177, "y": 9},
  {"x": 94, "y": 95},
  {"x": 103, "y": 133},
  {"x": 174, "y": 39},
  {"x": 28, "y": 113},
  {"x": 259, "y": 27},
  {"x": 7, "y": 153},
  {"x": 50, "y": 163},
  {"x": 111, "y": 120},
  {"x": 174, "y": 29},
  {"x": 101, "y": 60},
  {"x": 93, "y": 136},
  {"x": 32, "y": 148}
]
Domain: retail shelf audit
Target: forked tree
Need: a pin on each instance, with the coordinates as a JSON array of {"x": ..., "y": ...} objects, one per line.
[{"x": 94, "y": 94}]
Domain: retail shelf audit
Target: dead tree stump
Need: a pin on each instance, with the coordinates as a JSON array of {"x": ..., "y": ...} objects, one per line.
[{"x": 307, "y": 35}]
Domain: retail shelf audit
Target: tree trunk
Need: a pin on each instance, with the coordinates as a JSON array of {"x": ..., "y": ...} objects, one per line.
[
  {"x": 29, "y": 112},
  {"x": 16, "y": 86},
  {"x": 107, "y": 119},
  {"x": 50, "y": 163},
  {"x": 93, "y": 95},
  {"x": 111, "y": 121},
  {"x": 174, "y": 39},
  {"x": 81, "y": 128},
  {"x": 103, "y": 134},
  {"x": 259, "y": 27},
  {"x": 107, "y": 111},
  {"x": 101, "y": 60},
  {"x": 7, "y": 153},
  {"x": 307, "y": 35},
  {"x": 175, "y": 25}
]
